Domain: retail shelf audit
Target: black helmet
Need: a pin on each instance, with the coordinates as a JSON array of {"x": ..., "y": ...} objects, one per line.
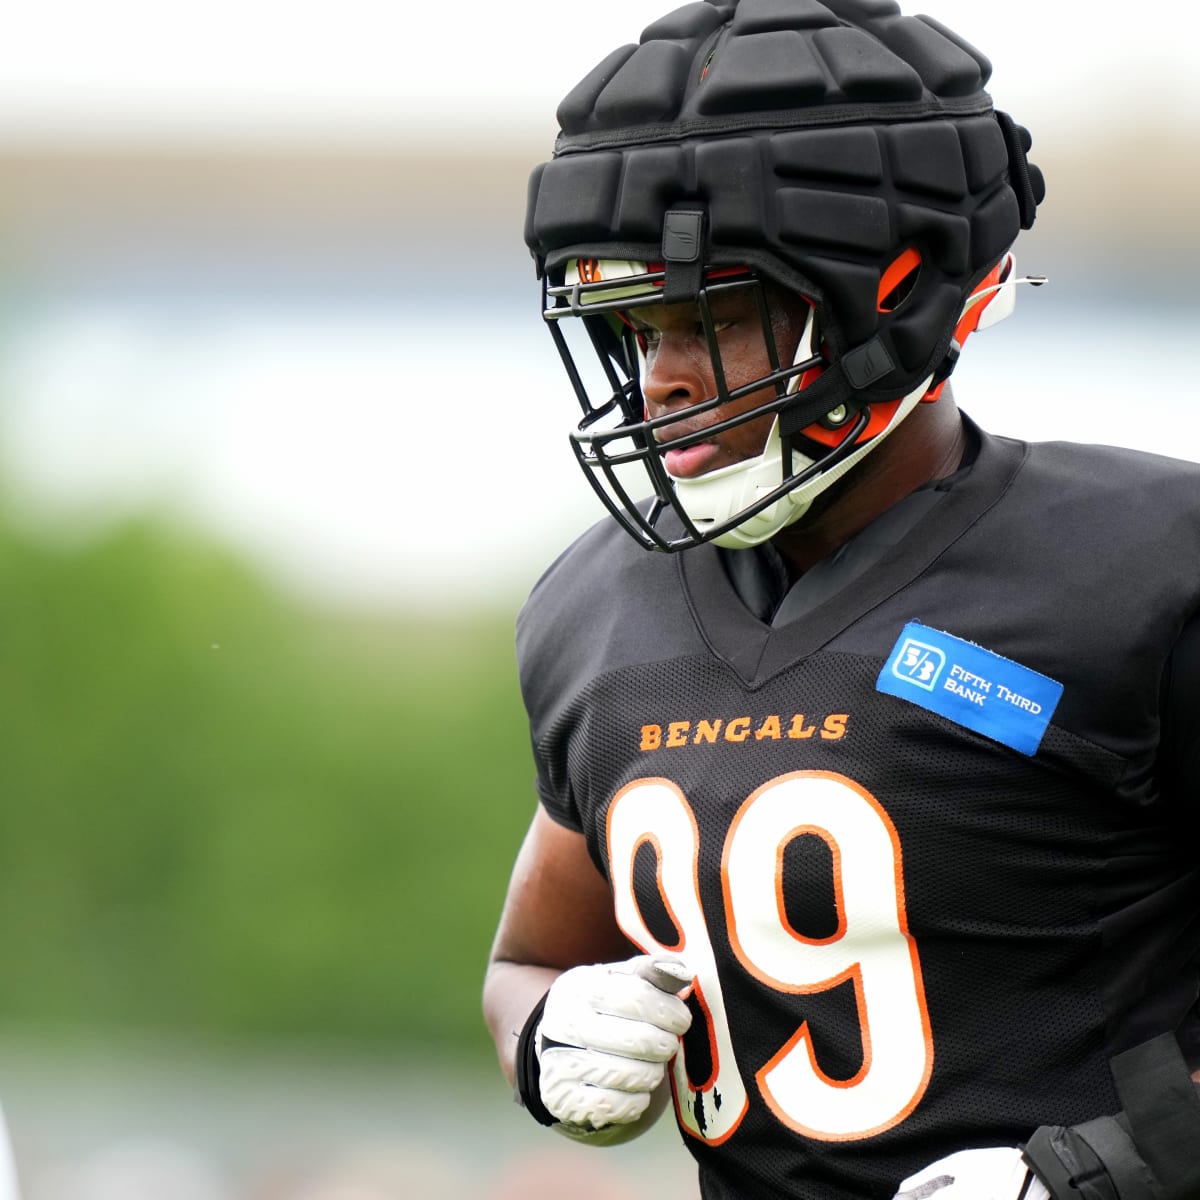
[{"x": 836, "y": 148}]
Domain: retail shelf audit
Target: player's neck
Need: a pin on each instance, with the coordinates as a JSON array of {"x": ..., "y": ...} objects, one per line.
[{"x": 928, "y": 444}]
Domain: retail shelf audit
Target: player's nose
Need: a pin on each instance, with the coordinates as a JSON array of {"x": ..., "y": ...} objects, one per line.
[{"x": 674, "y": 378}]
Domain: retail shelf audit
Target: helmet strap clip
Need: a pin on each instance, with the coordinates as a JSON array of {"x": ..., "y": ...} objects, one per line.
[
  {"x": 683, "y": 254},
  {"x": 867, "y": 364},
  {"x": 948, "y": 363}
]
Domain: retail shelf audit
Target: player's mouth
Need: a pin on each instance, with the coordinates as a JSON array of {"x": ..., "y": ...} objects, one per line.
[
  {"x": 692, "y": 461},
  {"x": 686, "y": 462}
]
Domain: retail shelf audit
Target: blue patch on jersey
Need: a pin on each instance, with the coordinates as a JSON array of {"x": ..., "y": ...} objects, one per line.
[{"x": 971, "y": 686}]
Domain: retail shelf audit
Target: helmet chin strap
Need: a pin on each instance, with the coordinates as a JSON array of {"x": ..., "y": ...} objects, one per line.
[
  {"x": 984, "y": 308},
  {"x": 1003, "y": 295},
  {"x": 715, "y": 497}
]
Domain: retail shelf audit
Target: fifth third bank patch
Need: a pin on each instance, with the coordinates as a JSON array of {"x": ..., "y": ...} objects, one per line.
[{"x": 970, "y": 686}]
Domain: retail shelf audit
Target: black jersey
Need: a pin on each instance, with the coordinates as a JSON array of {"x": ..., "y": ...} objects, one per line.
[{"x": 910, "y": 933}]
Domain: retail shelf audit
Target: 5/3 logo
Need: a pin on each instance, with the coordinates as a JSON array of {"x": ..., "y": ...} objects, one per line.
[
  {"x": 919, "y": 663},
  {"x": 871, "y": 946}
]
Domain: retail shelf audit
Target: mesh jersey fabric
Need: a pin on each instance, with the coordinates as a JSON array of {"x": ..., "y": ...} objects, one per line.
[
  {"x": 1046, "y": 903},
  {"x": 762, "y": 584}
]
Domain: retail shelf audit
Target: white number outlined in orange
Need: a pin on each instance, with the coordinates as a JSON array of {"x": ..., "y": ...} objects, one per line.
[
  {"x": 656, "y": 810},
  {"x": 870, "y": 946}
]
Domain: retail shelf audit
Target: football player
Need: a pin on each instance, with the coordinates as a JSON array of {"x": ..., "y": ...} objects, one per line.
[{"x": 866, "y": 740}]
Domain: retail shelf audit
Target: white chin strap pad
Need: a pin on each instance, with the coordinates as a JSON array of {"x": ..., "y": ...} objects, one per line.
[
  {"x": 1002, "y": 298},
  {"x": 716, "y": 497}
]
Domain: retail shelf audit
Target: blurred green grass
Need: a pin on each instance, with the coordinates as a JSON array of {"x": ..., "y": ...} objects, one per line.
[{"x": 225, "y": 814}]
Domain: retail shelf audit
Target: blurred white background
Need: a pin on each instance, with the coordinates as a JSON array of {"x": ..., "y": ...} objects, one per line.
[{"x": 262, "y": 266}]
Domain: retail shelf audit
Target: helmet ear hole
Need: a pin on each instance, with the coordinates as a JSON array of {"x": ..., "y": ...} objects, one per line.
[{"x": 899, "y": 280}]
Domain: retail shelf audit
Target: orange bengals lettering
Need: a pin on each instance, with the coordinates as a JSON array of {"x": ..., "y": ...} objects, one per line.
[{"x": 708, "y": 731}]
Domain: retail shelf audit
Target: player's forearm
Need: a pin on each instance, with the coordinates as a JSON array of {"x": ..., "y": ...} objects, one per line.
[{"x": 510, "y": 991}]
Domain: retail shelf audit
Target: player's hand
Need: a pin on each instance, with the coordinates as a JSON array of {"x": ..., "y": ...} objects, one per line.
[
  {"x": 995, "y": 1173},
  {"x": 605, "y": 1035}
]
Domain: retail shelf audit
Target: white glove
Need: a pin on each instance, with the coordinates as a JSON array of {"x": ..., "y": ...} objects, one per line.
[
  {"x": 995, "y": 1173},
  {"x": 605, "y": 1035}
]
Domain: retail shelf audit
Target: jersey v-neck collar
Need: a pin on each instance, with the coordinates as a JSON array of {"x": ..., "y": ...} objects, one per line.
[{"x": 756, "y": 651}]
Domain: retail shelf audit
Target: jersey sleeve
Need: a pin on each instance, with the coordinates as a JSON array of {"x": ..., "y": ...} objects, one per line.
[
  {"x": 543, "y": 659},
  {"x": 602, "y": 605}
]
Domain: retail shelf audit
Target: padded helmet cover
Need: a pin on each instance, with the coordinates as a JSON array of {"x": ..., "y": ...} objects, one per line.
[{"x": 821, "y": 139}]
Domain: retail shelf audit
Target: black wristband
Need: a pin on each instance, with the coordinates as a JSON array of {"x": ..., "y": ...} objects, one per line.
[{"x": 527, "y": 1091}]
